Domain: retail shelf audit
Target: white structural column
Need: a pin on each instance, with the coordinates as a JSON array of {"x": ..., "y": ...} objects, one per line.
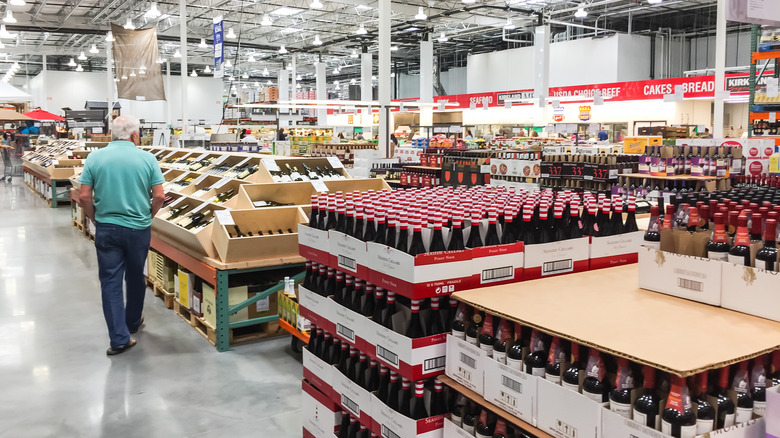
[
  {"x": 293, "y": 80},
  {"x": 426, "y": 84},
  {"x": 542, "y": 68},
  {"x": 720, "y": 69},
  {"x": 44, "y": 93},
  {"x": 184, "y": 75},
  {"x": 384, "y": 77},
  {"x": 109, "y": 83},
  {"x": 284, "y": 87},
  {"x": 322, "y": 92},
  {"x": 366, "y": 95},
  {"x": 168, "y": 93}
]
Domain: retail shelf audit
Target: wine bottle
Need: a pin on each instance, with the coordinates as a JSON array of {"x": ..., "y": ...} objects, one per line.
[
  {"x": 557, "y": 356},
  {"x": 653, "y": 234},
  {"x": 509, "y": 230},
  {"x": 484, "y": 428},
  {"x": 575, "y": 227},
  {"x": 560, "y": 229},
  {"x": 384, "y": 383},
  {"x": 630, "y": 225},
  {"x": 331, "y": 218},
  {"x": 372, "y": 380},
  {"x": 369, "y": 235},
  {"x": 341, "y": 216},
  {"x": 503, "y": 341},
  {"x": 740, "y": 252},
  {"x": 369, "y": 303},
  {"x": 415, "y": 329},
  {"x": 314, "y": 212},
  {"x": 592, "y": 227},
  {"x": 678, "y": 419},
  {"x": 475, "y": 240},
  {"x": 514, "y": 357},
  {"x": 741, "y": 385},
  {"x": 456, "y": 235},
  {"x": 458, "y": 325},
  {"x": 357, "y": 232},
  {"x": 436, "y": 324},
  {"x": 776, "y": 368},
  {"x": 344, "y": 428},
  {"x": 595, "y": 385},
  {"x": 602, "y": 219},
  {"x": 324, "y": 346},
  {"x": 543, "y": 232},
  {"x": 766, "y": 257},
  {"x": 726, "y": 408},
  {"x": 308, "y": 277},
  {"x": 335, "y": 352},
  {"x": 354, "y": 427},
  {"x": 312, "y": 345},
  {"x": 491, "y": 236},
  {"x": 458, "y": 410},
  {"x": 501, "y": 429},
  {"x": 418, "y": 411},
  {"x": 620, "y": 396},
  {"x": 470, "y": 418},
  {"x": 536, "y": 359},
  {"x": 405, "y": 398},
  {"x": 379, "y": 304},
  {"x": 387, "y": 321},
  {"x": 438, "y": 402},
  {"x": 718, "y": 247},
  {"x": 344, "y": 358},
  {"x": 616, "y": 221},
  {"x": 756, "y": 227},
  {"x": 529, "y": 230},
  {"x": 646, "y": 406},
  {"x": 403, "y": 233},
  {"x": 352, "y": 363},
  {"x": 360, "y": 370},
  {"x": 416, "y": 246},
  {"x": 357, "y": 296},
  {"x": 322, "y": 281},
  {"x": 393, "y": 391},
  {"x": 392, "y": 224},
  {"x": 705, "y": 412},
  {"x": 437, "y": 239},
  {"x": 330, "y": 284},
  {"x": 758, "y": 386},
  {"x": 472, "y": 333},
  {"x": 363, "y": 433},
  {"x": 322, "y": 216},
  {"x": 486, "y": 339}
]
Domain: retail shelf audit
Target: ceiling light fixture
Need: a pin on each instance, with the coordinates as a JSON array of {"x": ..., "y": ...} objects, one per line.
[
  {"x": 82, "y": 56},
  {"x": 116, "y": 79},
  {"x": 336, "y": 71},
  {"x": 207, "y": 69},
  {"x": 269, "y": 83},
  {"x": 298, "y": 78},
  {"x": 361, "y": 30},
  {"x": 228, "y": 64},
  {"x": 245, "y": 75},
  {"x": 298, "y": 86},
  {"x": 392, "y": 75},
  {"x": 393, "y": 48},
  {"x": 289, "y": 67},
  {"x": 17, "y": 2},
  {"x": 110, "y": 36},
  {"x": 420, "y": 14},
  {"x": 266, "y": 21},
  {"x": 354, "y": 54},
  {"x": 335, "y": 82},
  {"x": 194, "y": 74},
  {"x": 202, "y": 44},
  {"x": 443, "y": 38},
  {"x": 129, "y": 24},
  {"x": 177, "y": 54},
  {"x": 581, "y": 13},
  {"x": 317, "y": 41},
  {"x": 230, "y": 35},
  {"x": 282, "y": 50},
  {"x": 124, "y": 77},
  {"x": 79, "y": 68},
  {"x": 265, "y": 72},
  {"x": 509, "y": 25},
  {"x": 93, "y": 49},
  {"x": 71, "y": 63},
  {"x": 9, "y": 17},
  {"x": 654, "y": 2},
  {"x": 153, "y": 12},
  {"x": 132, "y": 74},
  {"x": 251, "y": 58},
  {"x": 469, "y": 2},
  {"x": 256, "y": 84},
  {"x": 316, "y": 4},
  {"x": 352, "y": 81}
]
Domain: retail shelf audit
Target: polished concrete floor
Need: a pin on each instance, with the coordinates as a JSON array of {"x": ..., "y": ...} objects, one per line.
[{"x": 56, "y": 380}]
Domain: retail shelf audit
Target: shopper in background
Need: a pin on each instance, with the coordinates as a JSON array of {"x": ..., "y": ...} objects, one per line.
[
  {"x": 281, "y": 136},
  {"x": 249, "y": 137},
  {"x": 359, "y": 136},
  {"x": 468, "y": 135},
  {"x": 116, "y": 185},
  {"x": 603, "y": 135},
  {"x": 341, "y": 136}
]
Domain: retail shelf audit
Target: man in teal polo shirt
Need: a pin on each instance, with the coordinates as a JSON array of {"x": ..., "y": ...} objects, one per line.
[{"x": 121, "y": 189}]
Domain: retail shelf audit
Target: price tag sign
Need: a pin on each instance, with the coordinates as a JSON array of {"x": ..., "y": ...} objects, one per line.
[
  {"x": 224, "y": 217},
  {"x": 221, "y": 182},
  {"x": 335, "y": 162},
  {"x": 55, "y": 162},
  {"x": 69, "y": 154},
  {"x": 319, "y": 185},
  {"x": 772, "y": 117},
  {"x": 772, "y": 87},
  {"x": 270, "y": 165},
  {"x": 243, "y": 162}
]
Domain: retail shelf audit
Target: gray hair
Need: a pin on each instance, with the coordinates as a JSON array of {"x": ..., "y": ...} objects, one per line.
[{"x": 123, "y": 127}]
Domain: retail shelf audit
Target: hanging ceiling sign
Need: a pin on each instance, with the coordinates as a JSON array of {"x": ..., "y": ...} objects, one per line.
[{"x": 219, "y": 50}]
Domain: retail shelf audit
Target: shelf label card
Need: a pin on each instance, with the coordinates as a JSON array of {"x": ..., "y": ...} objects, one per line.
[
  {"x": 270, "y": 165},
  {"x": 335, "y": 162},
  {"x": 55, "y": 162},
  {"x": 169, "y": 155},
  {"x": 772, "y": 117},
  {"x": 202, "y": 156},
  {"x": 199, "y": 208},
  {"x": 319, "y": 185},
  {"x": 69, "y": 154},
  {"x": 772, "y": 87},
  {"x": 243, "y": 162},
  {"x": 224, "y": 216}
]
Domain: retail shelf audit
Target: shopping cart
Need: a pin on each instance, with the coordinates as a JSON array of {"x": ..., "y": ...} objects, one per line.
[{"x": 12, "y": 164}]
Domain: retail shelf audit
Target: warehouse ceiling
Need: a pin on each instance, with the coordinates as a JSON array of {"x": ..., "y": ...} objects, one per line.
[{"x": 65, "y": 29}]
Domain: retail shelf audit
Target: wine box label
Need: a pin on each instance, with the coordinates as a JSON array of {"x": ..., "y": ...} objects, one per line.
[
  {"x": 453, "y": 430},
  {"x": 348, "y": 254},
  {"x": 750, "y": 290},
  {"x": 759, "y": 408},
  {"x": 512, "y": 390},
  {"x": 351, "y": 397},
  {"x": 737, "y": 260},
  {"x": 321, "y": 416},
  {"x": 466, "y": 364},
  {"x": 553, "y": 378},
  {"x": 719, "y": 256},
  {"x": 498, "y": 264},
  {"x": 616, "y": 425},
  {"x": 622, "y": 409},
  {"x": 692, "y": 278},
  {"x": 556, "y": 258},
  {"x": 743, "y": 415},
  {"x": 317, "y": 309},
  {"x": 390, "y": 423},
  {"x": 424, "y": 276},
  {"x": 565, "y": 413},
  {"x": 313, "y": 244},
  {"x": 414, "y": 359},
  {"x": 318, "y": 372},
  {"x": 620, "y": 249}
]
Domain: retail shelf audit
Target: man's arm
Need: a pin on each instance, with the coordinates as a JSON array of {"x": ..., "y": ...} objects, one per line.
[
  {"x": 158, "y": 196},
  {"x": 87, "y": 204}
]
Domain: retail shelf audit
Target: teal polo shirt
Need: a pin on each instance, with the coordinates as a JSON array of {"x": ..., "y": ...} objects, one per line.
[{"x": 122, "y": 177}]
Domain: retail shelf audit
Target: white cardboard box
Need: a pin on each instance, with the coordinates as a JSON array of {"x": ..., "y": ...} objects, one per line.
[
  {"x": 750, "y": 290},
  {"x": 772, "y": 417},
  {"x": 317, "y": 309},
  {"x": 424, "y": 276},
  {"x": 451, "y": 430},
  {"x": 498, "y": 264},
  {"x": 414, "y": 359},
  {"x": 547, "y": 259},
  {"x": 353, "y": 398},
  {"x": 320, "y": 415},
  {"x": 390, "y": 423},
  {"x": 318, "y": 372},
  {"x": 512, "y": 390},
  {"x": 692, "y": 278},
  {"x": 616, "y": 426},
  {"x": 348, "y": 254},
  {"x": 564, "y": 413},
  {"x": 466, "y": 364},
  {"x": 609, "y": 251},
  {"x": 313, "y": 244},
  {"x": 350, "y": 326}
]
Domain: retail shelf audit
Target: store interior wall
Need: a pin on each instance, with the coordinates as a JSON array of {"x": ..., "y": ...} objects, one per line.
[
  {"x": 453, "y": 81},
  {"x": 73, "y": 89},
  {"x": 701, "y": 51}
]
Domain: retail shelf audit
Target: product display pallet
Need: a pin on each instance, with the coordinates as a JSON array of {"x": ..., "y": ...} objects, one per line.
[
  {"x": 55, "y": 195},
  {"x": 164, "y": 295},
  {"x": 78, "y": 225}
]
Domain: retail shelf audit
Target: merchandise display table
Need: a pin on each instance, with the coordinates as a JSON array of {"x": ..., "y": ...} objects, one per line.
[{"x": 56, "y": 198}]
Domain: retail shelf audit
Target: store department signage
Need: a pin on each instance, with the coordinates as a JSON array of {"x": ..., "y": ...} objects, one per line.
[
  {"x": 558, "y": 114},
  {"x": 219, "y": 51},
  {"x": 514, "y": 96},
  {"x": 584, "y": 113},
  {"x": 742, "y": 84}
]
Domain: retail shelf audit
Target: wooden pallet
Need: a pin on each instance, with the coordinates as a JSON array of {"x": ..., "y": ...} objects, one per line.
[
  {"x": 240, "y": 335},
  {"x": 78, "y": 225},
  {"x": 164, "y": 295}
]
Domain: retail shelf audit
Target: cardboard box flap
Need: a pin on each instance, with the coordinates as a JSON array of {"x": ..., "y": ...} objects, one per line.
[
  {"x": 297, "y": 193},
  {"x": 629, "y": 322}
]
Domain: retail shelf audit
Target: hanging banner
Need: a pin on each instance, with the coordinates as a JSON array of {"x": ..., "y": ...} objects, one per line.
[
  {"x": 135, "y": 63},
  {"x": 219, "y": 50}
]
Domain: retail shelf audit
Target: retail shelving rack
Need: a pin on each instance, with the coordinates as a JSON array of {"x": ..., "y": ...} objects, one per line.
[{"x": 772, "y": 59}]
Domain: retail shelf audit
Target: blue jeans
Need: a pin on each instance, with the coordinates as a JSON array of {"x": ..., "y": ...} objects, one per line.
[{"x": 121, "y": 254}]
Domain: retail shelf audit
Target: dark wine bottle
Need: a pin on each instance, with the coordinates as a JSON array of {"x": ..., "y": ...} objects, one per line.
[
  {"x": 484, "y": 427},
  {"x": 456, "y": 235},
  {"x": 341, "y": 216},
  {"x": 384, "y": 383},
  {"x": 470, "y": 417},
  {"x": 758, "y": 386},
  {"x": 501, "y": 429},
  {"x": 312, "y": 345},
  {"x": 543, "y": 233},
  {"x": 458, "y": 325},
  {"x": 766, "y": 257},
  {"x": 705, "y": 412},
  {"x": 381, "y": 228},
  {"x": 314, "y": 212},
  {"x": 726, "y": 408},
  {"x": 415, "y": 329},
  {"x": 372, "y": 380},
  {"x": 602, "y": 218},
  {"x": 595, "y": 385},
  {"x": 369, "y": 235},
  {"x": 718, "y": 247},
  {"x": 438, "y": 402},
  {"x": 392, "y": 224},
  {"x": 379, "y": 305},
  {"x": 349, "y": 224},
  {"x": 335, "y": 352},
  {"x": 360, "y": 370},
  {"x": 405, "y": 398},
  {"x": 678, "y": 419},
  {"x": 529, "y": 230},
  {"x": 325, "y": 345},
  {"x": 307, "y": 278},
  {"x": 536, "y": 359},
  {"x": 357, "y": 296},
  {"x": 646, "y": 406},
  {"x": 330, "y": 284},
  {"x": 740, "y": 252},
  {"x": 472, "y": 333},
  {"x": 346, "y": 421},
  {"x": 437, "y": 239},
  {"x": 616, "y": 221},
  {"x": 416, "y": 246},
  {"x": 354, "y": 427},
  {"x": 418, "y": 411},
  {"x": 503, "y": 341},
  {"x": 344, "y": 358},
  {"x": 509, "y": 234},
  {"x": 514, "y": 357},
  {"x": 630, "y": 225},
  {"x": 741, "y": 386},
  {"x": 653, "y": 233},
  {"x": 491, "y": 236},
  {"x": 352, "y": 363},
  {"x": 387, "y": 321},
  {"x": 475, "y": 240},
  {"x": 458, "y": 410},
  {"x": 403, "y": 233},
  {"x": 369, "y": 303},
  {"x": 331, "y": 218},
  {"x": 620, "y": 396},
  {"x": 557, "y": 355},
  {"x": 322, "y": 282},
  {"x": 560, "y": 229},
  {"x": 436, "y": 324},
  {"x": 756, "y": 227},
  {"x": 393, "y": 391},
  {"x": 591, "y": 227},
  {"x": 360, "y": 222}
]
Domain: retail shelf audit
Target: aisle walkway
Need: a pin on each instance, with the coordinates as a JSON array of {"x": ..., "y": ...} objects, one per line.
[{"x": 56, "y": 380}]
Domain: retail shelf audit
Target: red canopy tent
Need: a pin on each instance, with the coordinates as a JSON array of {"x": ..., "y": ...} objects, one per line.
[{"x": 40, "y": 114}]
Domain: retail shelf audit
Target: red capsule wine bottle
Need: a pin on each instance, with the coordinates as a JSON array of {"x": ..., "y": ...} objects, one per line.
[
  {"x": 575, "y": 227},
  {"x": 470, "y": 417},
  {"x": 346, "y": 421},
  {"x": 486, "y": 339},
  {"x": 341, "y": 216},
  {"x": 332, "y": 220},
  {"x": 323, "y": 348},
  {"x": 678, "y": 419},
  {"x": 381, "y": 228},
  {"x": 307, "y": 278},
  {"x": 344, "y": 359},
  {"x": 418, "y": 411},
  {"x": 360, "y": 222},
  {"x": 595, "y": 385},
  {"x": 369, "y": 302},
  {"x": 653, "y": 233},
  {"x": 475, "y": 240},
  {"x": 369, "y": 235},
  {"x": 458, "y": 325},
  {"x": 509, "y": 231},
  {"x": 616, "y": 220},
  {"x": 405, "y": 398},
  {"x": 312, "y": 345},
  {"x": 360, "y": 370},
  {"x": 384, "y": 382},
  {"x": 766, "y": 257},
  {"x": 456, "y": 235},
  {"x": 630, "y": 225},
  {"x": 514, "y": 357},
  {"x": 705, "y": 412},
  {"x": 472, "y": 333},
  {"x": 556, "y": 356},
  {"x": 438, "y": 402},
  {"x": 503, "y": 341},
  {"x": 393, "y": 391},
  {"x": 322, "y": 285},
  {"x": 392, "y": 224},
  {"x": 403, "y": 232},
  {"x": 485, "y": 425},
  {"x": 417, "y": 246},
  {"x": 741, "y": 385},
  {"x": 335, "y": 352},
  {"x": 620, "y": 396},
  {"x": 379, "y": 304},
  {"x": 646, "y": 405},
  {"x": 357, "y": 296},
  {"x": 387, "y": 320},
  {"x": 436, "y": 324},
  {"x": 560, "y": 229},
  {"x": 415, "y": 329},
  {"x": 740, "y": 252},
  {"x": 437, "y": 239},
  {"x": 536, "y": 359},
  {"x": 314, "y": 212},
  {"x": 491, "y": 237},
  {"x": 718, "y": 247}
]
